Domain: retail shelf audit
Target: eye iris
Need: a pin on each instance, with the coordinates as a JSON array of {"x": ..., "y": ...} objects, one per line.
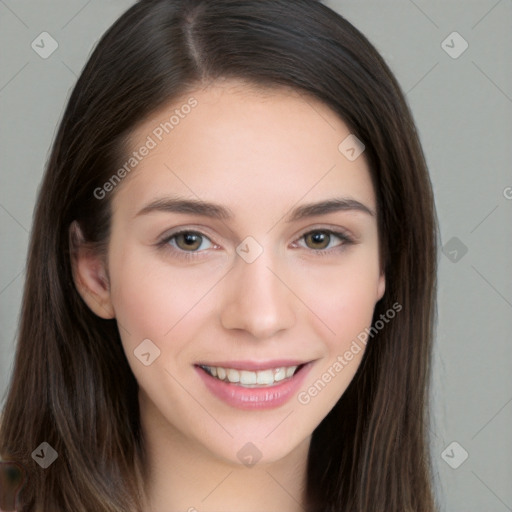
[
  {"x": 319, "y": 237},
  {"x": 190, "y": 241}
]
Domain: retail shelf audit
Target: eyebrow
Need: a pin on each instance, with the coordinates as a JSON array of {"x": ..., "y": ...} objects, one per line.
[{"x": 216, "y": 211}]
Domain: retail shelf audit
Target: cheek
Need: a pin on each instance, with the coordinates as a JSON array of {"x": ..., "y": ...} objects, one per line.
[
  {"x": 163, "y": 305},
  {"x": 150, "y": 300},
  {"x": 343, "y": 296},
  {"x": 350, "y": 309},
  {"x": 342, "y": 303},
  {"x": 159, "y": 302}
]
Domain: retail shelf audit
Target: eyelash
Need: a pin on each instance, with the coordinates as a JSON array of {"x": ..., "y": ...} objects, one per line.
[{"x": 189, "y": 255}]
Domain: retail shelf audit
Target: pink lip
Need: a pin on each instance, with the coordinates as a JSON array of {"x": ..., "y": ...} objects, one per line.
[
  {"x": 254, "y": 365},
  {"x": 255, "y": 398}
]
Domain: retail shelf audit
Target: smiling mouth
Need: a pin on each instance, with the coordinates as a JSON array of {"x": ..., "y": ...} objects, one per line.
[{"x": 252, "y": 379}]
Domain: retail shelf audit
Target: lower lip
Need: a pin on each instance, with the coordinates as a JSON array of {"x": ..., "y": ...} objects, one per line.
[{"x": 254, "y": 398}]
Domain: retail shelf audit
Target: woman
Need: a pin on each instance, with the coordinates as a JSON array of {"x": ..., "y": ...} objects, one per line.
[{"x": 231, "y": 275}]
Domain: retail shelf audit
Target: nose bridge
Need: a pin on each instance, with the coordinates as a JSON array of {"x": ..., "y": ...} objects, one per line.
[
  {"x": 256, "y": 279},
  {"x": 257, "y": 301}
]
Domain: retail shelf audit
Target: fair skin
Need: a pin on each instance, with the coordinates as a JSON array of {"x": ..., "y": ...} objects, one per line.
[{"x": 261, "y": 154}]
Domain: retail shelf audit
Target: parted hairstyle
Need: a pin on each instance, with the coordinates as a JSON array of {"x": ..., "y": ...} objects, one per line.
[{"x": 71, "y": 384}]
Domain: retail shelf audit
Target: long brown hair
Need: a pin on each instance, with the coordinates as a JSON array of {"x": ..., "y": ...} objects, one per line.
[{"x": 72, "y": 386}]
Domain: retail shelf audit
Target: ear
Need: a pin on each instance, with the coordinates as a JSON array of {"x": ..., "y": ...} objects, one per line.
[
  {"x": 90, "y": 274},
  {"x": 381, "y": 286}
]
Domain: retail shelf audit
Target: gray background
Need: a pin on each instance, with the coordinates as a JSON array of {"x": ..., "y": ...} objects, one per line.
[{"x": 462, "y": 107}]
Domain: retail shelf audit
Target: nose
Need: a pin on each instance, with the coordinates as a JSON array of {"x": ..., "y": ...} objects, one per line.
[{"x": 258, "y": 299}]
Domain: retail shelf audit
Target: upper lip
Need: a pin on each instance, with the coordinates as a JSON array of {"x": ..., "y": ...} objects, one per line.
[{"x": 254, "y": 365}]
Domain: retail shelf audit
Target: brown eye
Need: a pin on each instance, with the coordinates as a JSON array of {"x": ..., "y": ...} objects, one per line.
[
  {"x": 188, "y": 240},
  {"x": 325, "y": 241},
  {"x": 317, "y": 239},
  {"x": 186, "y": 244}
]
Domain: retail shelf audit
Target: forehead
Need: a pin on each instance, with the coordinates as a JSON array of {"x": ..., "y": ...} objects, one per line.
[{"x": 242, "y": 146}]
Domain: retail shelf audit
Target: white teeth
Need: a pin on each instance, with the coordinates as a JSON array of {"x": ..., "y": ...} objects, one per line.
[
  {"x": 265, "y": 377},
  {"x": 233, "y": 375},
  {"x": 251, "y": 379},
  {"x": 280, "y": 374},
  {"x": 290, "y": 371},
  {"x": 248, "y": 377}
]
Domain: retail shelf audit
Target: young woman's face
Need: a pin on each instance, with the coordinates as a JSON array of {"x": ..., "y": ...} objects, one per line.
[{"x": 251, "y": 294}]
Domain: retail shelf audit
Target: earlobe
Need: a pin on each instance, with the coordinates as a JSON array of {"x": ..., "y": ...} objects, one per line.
[{"x": 89, "y": 274}]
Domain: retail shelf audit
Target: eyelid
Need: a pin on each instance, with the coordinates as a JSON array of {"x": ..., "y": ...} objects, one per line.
[
  {"x": 168, "y": 236},
  {"x": 336, "y": 230},
  {"x": 200, "y": 230}
]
